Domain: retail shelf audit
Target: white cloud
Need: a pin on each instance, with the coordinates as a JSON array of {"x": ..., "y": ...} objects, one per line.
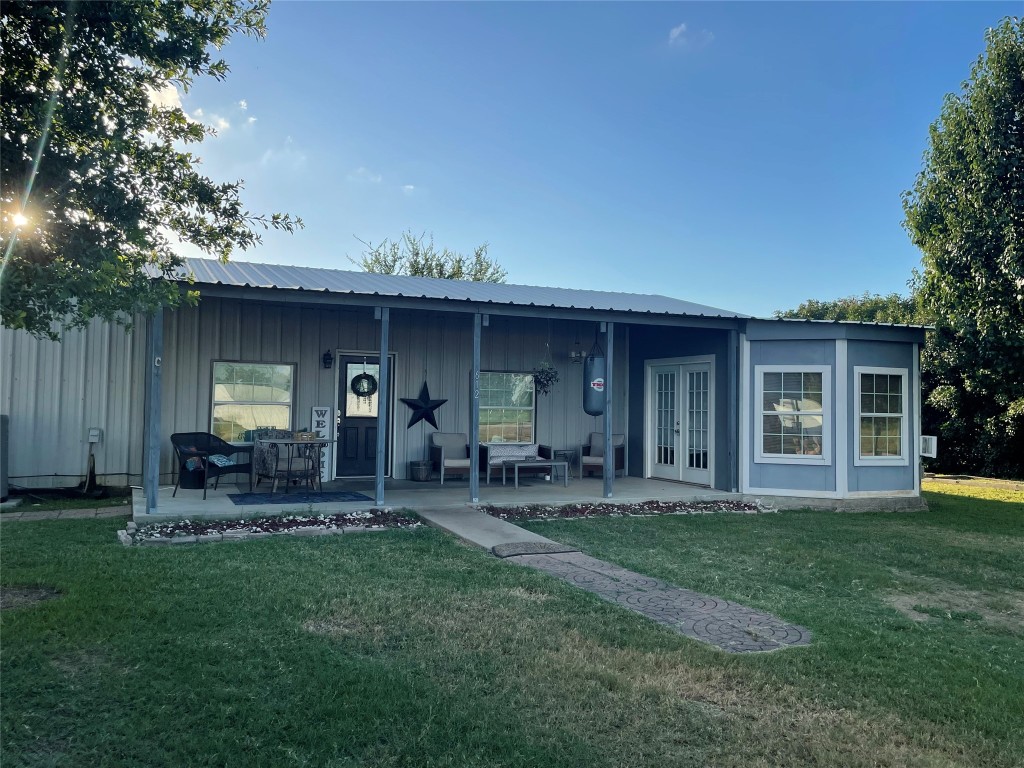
[
  {"x": 363, "y": 174},
  {"x": 250, "y": 120},
  {"x": 197, "y": 114},
  {"x": 408, "y": 189},
  {"x": 288, "y": 156},
  {"x": 682, "y": 37},
  {"x": 243, "y": 104},
  {"x": 168, "y": 97},
  {"x": 220, "y": 123}
]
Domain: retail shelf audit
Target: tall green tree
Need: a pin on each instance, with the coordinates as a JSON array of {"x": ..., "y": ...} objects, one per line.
[
  {"x": 97, "y": 185},
  {"x": 869, "y": 308},
  {"x": 966, "y": 214},
  {"x": 417, "y": 255}
]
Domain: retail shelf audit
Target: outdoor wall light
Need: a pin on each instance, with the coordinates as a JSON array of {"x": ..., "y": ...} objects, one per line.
[
  {"x": 576, "y": 354},
  {"x": 328, "y": 359}
]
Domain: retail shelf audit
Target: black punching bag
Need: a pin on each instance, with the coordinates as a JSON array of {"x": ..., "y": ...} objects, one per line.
[{"x": 594, "y": 368}]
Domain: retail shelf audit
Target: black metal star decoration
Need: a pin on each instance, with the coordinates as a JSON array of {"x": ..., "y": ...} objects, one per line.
[{"x": 423, "y": 408}]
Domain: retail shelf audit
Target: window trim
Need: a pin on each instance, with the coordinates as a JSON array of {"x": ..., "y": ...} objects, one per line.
[
  {"x": 881, "y": 461},
  {"x": 533, "y": 410},
  {"x": 760, "y": 457},
  {"x": 213, "y": 389}
]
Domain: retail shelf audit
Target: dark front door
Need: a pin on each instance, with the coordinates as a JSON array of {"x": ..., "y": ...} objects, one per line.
[{"x": 358, "y": 401}]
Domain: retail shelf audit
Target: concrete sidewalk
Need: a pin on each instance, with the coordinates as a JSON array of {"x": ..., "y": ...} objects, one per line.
[
  {"x": 479, "y": 528},
  {"x": 726, "y": 625},
  {"x": 27, "y": 513}
]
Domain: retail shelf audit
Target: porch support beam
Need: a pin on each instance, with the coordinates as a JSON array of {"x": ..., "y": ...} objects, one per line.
[
  {"x": 474, "y": 414},
  {"x": 154, "y": 358},
  {"x": 732, "y": 409},
  {"x": 383, "y": 398},
  {"x": 609, "y": 405}
]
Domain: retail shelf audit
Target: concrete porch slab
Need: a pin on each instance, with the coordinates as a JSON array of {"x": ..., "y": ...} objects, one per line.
[{"x": 453, "y": 495}]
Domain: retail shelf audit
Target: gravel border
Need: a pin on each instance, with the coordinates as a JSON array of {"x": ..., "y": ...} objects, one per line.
[
  {"x": 202, "y": 531},
  {"x": 650, "y": 508}
]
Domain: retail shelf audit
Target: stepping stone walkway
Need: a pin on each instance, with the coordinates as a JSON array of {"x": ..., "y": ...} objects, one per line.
[{"x": 733, "y": 628}]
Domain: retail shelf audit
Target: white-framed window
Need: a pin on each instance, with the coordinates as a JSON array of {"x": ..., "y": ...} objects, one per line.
[
  {"x": 507, "y": 407},
  {"x": 793, "y": 414},
  {"x": 250, "y": 395},
  {"x": 881, "y": 421}
]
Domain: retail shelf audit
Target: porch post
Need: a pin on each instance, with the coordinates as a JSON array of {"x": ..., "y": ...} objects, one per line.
[
  {"x": 154, "y": 358},
  {"x": 609, "y": 405},
  {"x": 383, "y": 398},
  {"x": 474, "y": 415},
  {"x": 732, "y": 409}
]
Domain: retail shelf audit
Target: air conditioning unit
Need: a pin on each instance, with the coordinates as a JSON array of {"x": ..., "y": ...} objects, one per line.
[{"x": 929, "y": 446}]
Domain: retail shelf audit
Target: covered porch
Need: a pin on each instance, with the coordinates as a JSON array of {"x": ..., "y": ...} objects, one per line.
[{"x": 288, "y": 357}]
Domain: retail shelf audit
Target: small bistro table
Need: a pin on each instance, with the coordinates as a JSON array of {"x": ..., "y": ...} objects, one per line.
[
  {"x": 290, "y": 443},
  {"x": 517, "y": 464},
  {"x": 568, "y": 455}
]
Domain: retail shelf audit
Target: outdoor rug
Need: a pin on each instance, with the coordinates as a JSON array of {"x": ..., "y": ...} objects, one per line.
[{"x": 296, "y": 497}]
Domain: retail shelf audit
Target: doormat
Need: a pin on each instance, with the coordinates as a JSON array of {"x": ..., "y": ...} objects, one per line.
[{"x": 294, "y": 497}]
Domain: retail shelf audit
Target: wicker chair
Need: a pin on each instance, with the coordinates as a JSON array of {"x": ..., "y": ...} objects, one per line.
[{"x": 200, "y": 456}]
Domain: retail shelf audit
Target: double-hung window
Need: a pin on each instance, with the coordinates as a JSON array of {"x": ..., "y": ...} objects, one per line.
[
  {"x": 793, "y": 423},
  {"x": 507, "y": 407},
  {"x": 250, "y": 395},
  {"x": 881, "y": 396}
]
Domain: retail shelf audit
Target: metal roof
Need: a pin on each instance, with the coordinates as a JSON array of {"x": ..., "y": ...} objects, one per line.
[
  {"x": 854, "y": 322},
  {"x": 337, "y": 281}
]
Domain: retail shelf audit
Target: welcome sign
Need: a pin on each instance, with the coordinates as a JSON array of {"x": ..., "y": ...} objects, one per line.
[{"x": 322, "y": 419}]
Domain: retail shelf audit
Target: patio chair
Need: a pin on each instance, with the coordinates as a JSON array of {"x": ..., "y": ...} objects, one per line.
[
  {"x": 200, "y": 456},
  {"x": 271, "y": 461},
  {"x": 592, "y": 454},
  {"x": 449, "y": 453}
]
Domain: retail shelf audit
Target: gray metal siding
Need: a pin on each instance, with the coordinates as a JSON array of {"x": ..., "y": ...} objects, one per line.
[
  {"x": 434, "y": 347},
  {"x": 882, "y": 355},
  {"x": 54, "y": 392},
  {"x": 653, "y": 343},
  {"x": 790, "y": 476}
]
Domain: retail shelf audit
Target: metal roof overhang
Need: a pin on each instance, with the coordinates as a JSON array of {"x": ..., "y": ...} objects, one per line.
[{"x": 337, "y": 299}]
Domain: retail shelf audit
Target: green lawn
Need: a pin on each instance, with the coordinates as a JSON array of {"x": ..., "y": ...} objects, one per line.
[{"x": 410, "y": 649}]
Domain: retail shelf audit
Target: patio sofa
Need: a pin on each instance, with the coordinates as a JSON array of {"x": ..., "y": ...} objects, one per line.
[{"x": 496, "y": 454}]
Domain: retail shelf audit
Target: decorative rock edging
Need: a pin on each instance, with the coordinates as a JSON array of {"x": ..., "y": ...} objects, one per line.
[
  {"x": 202, "y": 531},
  {"x": 651, "y": 508}
]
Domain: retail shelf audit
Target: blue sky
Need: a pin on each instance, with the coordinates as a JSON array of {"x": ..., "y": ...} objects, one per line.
[{"x": 742, "y": 155}]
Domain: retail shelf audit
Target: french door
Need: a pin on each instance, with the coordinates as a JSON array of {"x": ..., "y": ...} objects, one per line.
[{"x": 681, "y": 420}]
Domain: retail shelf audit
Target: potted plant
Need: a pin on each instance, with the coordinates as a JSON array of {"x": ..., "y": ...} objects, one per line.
[{"x": 545, "y": 377}]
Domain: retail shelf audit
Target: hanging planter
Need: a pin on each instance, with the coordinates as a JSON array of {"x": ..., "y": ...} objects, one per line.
[{"x": 545, "y": 376}]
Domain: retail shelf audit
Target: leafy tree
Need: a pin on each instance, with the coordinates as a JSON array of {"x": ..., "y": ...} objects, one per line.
[
  {"x": 966, "y": 214},
  {"x": 96, "y": 183},
  {"x": 412, "y": 255},
  {"x": 869, "y": 308}
]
